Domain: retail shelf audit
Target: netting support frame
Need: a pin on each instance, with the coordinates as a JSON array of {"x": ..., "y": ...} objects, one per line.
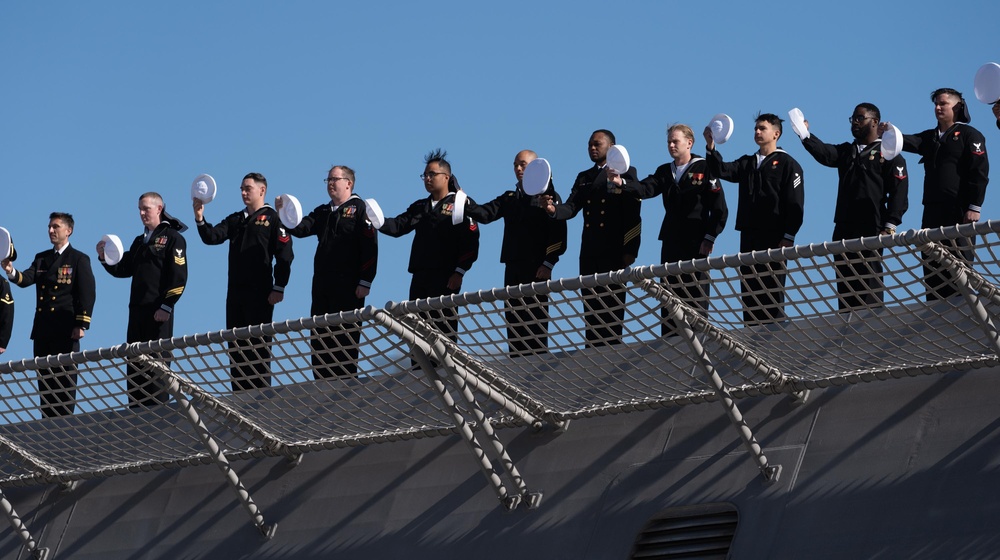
[
  {"x": 416, "y": 333},
  {"x": 21, "y": 529},
  {"x": 963, "y": 278},
  {"x": 172, "y": 383},
  {"x": 679, "y": 315}
]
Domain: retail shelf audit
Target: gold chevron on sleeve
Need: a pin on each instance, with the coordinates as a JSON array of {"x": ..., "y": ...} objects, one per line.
[
  {"x": 633, "y": 233},
  {"x": 176, "y": 291}
]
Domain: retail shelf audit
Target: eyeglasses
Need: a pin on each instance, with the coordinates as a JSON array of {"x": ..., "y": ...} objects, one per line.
[
  {"x": 430, "y": 175},
  {"x": 329, "y": 180},
  {"x": 858, "y": 118}
]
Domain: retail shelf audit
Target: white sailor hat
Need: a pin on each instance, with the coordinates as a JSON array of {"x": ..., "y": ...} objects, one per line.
[
  {"x": 987, "y": 83},
  {"x": 798, "y": 121},
  {"x": 722, "y": 128},
  {"x": 113, "y": 249},
  {"x": 291, "y": 211},
  {"x": 892, "y": 142},
  {"x": 536, "y": 177},
  {"x": 7, "y": 245},
  {"x": 618, "y": 160},
  {"x": 374, "y": 212},
  {"x": 203, "y": 188},
  {"x": 458, "y": 214}
]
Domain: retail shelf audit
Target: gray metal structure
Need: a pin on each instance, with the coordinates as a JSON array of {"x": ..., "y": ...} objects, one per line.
[{"x": 580, "y": 450}]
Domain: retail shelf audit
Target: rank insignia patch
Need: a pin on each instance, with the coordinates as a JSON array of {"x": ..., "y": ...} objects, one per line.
[{"x": 977, "y": 149}]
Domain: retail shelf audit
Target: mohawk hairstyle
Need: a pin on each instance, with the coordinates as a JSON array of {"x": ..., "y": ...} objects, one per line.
[{"x": 438, "y": 156}]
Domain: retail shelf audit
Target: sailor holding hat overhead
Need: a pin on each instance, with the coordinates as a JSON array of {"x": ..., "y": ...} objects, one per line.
[
  {"x": 871, "y": 200},
  {"x": 157, "y": 264},
  {"x": 260, "y": 263},
  {"x": 769, "y": 214}
]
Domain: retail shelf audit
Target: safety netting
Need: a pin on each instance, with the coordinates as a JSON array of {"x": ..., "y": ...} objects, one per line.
[{"x": 772, "y": 322}]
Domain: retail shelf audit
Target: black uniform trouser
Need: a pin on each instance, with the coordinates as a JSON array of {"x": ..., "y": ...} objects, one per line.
[
  {"x": 694, "y": 288},
  {"x": 762, "y": 285},
  {"x": 433, "y": 283},
  {"x": 335, "y": 349},
  {"x": 143, "y": 388},
  {"x": 251, "y": 357},
  {"x": 859, "y": 274},
  {"x": 603, "y": 307},
  {"x": 940, "y": 282},
  {"x": 56, "y": 386},
  {"x": 527, "y": 317}
]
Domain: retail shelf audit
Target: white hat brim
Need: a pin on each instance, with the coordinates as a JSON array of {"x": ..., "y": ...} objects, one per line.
[
  {"x": 798, "y": 121},
  {"x": 536, "y": 177},
  {"x": 892, "y": 142},
  {"x": 618, "y": 160},
  {"x": 5, "y": 243},
  {"x": 374, "y": 213},
  {"x": 113, "y": 249},
  {"x": 458, "y": 213},
  {"x": 987, "y": 83},
  {"x": 722, "y": 128},
  {"x": 203, "y": 188},
  {"x": 291, "y": 211}
]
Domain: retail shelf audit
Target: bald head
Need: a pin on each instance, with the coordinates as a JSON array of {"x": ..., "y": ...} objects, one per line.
[{"x": 521, "y": 160}]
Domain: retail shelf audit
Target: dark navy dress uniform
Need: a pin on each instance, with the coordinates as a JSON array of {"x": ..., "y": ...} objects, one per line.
[
  {"x": 346, "y": 258},
  {"x": 260, "y": 261},
  {"x": 956, "y": 172},
  {"x": 612, "y": 232},
  {"x": 530, "y": 240},
  {"x": 770, "y": 210},
  {"x": 6, "y": 313},
  {"x": 871, "y": 196},
  {"x": 157, "y": 265},
  {"x": 65, "y": 293},
  {"x": 695, "y": 212},
  {"x": 439, "y": 250}
]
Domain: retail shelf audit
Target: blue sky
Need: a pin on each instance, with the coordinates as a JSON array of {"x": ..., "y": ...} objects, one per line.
[{"x": 102, "y": 101}]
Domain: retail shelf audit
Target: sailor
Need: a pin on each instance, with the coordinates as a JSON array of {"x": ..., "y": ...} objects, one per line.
[
  {"x": 65, "y": 293},
  {"x": 612, "y": 228},
  {"x": 260, "y": 263},
  {"x": 996, "y": 112},
  {"x": 769, "y": 213},
  {"x": 956, "y": 172},
  {"x": 442, "y": 252},
  {"x": 532, "y": 245},
  {"x": 871, "y": 200},
  {"x": 695, "y": 214},
  {"x": 343, "y": 270},
  {"x": 157, "y": 264},
  {"x": 6, "y": 299}
]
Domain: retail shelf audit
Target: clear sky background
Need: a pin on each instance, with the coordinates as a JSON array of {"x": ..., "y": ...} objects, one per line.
[{"x": 101, "y": 101}]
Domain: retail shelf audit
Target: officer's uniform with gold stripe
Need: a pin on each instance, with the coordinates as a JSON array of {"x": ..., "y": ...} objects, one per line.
[
  {"x": 612, "y": 232},
  {"x": 65, "y": 293}
]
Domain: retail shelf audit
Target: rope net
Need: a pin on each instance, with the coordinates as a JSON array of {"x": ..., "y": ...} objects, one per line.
[{"x": 919, "y": 302}]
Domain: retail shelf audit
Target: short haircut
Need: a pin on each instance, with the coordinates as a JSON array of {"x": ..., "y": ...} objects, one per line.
[
  {"x": 683, "y": 129},
  {"x": 438, "y": 156},
  {"x": 606, "y": 132},
  {"x": 770, "y": 118},
  {"x": 257, "y": 178},
  {"x": 960, "y": 110},
  {"x": 347, "y": 171},
  {"x": 871, "y": 108},
  {"x": 157, "y": 198},
  {"x": 66, "y": 218}
]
